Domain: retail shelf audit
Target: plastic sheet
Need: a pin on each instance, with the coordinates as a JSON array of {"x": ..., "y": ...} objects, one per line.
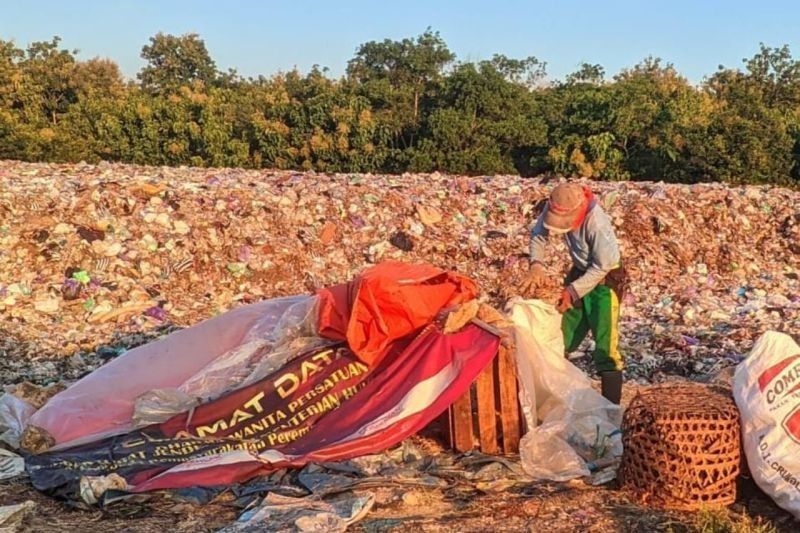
[
  {"x": 266, "y": 347},
  {"x": 102, "y": 404},
  {"x": 387, "y": 302},
  {"x": 324, "y": 406},
  {"x": 571, "y": 427},
  {"x": 273, "y": 340}
]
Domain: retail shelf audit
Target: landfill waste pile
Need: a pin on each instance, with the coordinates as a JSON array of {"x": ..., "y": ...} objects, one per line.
[{"x": 90, "y": 255}]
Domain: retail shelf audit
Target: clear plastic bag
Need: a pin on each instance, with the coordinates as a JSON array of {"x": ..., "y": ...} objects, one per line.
[
  {"x": 159, "y": 405},
  {"x": 268, "y": 344},
  {"x": 204, "y": 362},
  {"x": 571, "y": 427},
  {"x": 14, "y": 414}
]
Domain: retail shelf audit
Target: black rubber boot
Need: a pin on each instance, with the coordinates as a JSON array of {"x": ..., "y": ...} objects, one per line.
[{"x": 611, "y": 385}]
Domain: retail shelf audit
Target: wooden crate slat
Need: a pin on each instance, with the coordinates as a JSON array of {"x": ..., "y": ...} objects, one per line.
[
  {"x": 509, "y": 403},
  {"x": 487, "y": 411},
  {"x": 461, "y": 412},
  {"x": 444, "y": 424}
]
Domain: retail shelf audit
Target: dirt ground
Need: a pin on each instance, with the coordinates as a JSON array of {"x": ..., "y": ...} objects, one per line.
[{"x": 557, "y": 507}]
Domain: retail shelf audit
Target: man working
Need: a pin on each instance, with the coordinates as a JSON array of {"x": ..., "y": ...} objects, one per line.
[{"x": 594, "y": 285}]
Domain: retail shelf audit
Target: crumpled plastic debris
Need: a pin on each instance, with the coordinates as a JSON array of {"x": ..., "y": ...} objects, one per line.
[
  {"x": 11, "y": 465},
  {"x": 92, "y": 488},
  {"x": 397, "y": 474},
  {"x": 322, "y": 483},
  {"x": 12, "y": 516},
  {"x": 284, "y": 513},
  {"x": 14, "y": 415},
  {"x": 159, "y": 405}
]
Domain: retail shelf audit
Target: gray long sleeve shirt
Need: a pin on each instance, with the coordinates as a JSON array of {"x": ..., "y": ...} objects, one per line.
[{"x": 593, "y": 248}]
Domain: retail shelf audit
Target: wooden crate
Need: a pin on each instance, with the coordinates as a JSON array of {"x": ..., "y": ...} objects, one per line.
[{"x": 487, "y": 417}]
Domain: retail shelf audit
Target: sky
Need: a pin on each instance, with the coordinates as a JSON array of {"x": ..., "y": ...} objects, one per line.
[{"x": 264, "y": 37}]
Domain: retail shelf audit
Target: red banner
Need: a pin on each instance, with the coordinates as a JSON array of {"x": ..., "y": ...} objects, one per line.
[{"x": 325, "y": 405}]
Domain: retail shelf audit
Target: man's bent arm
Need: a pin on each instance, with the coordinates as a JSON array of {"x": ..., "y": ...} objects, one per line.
[{"x": 538, "y": 241}]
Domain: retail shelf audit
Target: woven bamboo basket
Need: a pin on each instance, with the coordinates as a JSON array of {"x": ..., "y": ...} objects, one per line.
[{"x": 681, "y": 447}]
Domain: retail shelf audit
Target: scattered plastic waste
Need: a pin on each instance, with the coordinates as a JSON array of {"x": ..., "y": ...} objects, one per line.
[
  {"x": 283, "y": 513},
  {"x": 12, "y": 516},
  {"x": 11, "y": 465}
]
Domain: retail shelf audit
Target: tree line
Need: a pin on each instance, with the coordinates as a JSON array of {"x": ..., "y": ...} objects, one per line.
[{"x": 406, "y": 106}]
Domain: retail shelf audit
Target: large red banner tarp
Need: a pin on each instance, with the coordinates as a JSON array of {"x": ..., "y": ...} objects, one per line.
[
  {"x": 377, "y": 370},
  {"x": 326, "y": 405}
]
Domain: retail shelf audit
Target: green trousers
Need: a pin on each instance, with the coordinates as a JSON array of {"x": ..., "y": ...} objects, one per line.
[{"x": 597, "y": 312}]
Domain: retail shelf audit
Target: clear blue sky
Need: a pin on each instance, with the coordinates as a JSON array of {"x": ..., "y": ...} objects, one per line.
[{"x": 262, "y": 37}]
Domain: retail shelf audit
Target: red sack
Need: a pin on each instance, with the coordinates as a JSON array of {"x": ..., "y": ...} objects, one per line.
[{"x": 388, "y": 302}]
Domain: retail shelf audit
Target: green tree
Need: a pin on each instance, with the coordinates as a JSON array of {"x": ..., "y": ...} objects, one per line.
[
  {"x": 528, "y": 71},
  {"x": 39, "y": 89},
  {"x": 753, "y": 131},
  {"x": 12, "y": 138},
  {"x": 48, "y": 78},
  {"x": 593, "y": 74},
  {"x": 484, "y": 121},
  {"x": 580, "y": 140},
  {"x": 655, "y": 113},
  {"x": 176, "y": 61},
  {"x": 396, "y": 77}
]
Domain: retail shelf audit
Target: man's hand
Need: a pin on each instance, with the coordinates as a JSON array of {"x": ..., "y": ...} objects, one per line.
[
  {"x": 565, "y": 302},
  {"x": 536, "y": 278}
]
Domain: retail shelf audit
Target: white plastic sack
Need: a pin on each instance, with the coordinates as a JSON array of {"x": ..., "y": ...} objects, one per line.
[
  {"x": 766, "y": 387},
  {"x": 571, "y": 426}
]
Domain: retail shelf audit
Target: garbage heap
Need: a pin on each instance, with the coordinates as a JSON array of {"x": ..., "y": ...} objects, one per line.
[{"x": 88, "y": 252}]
